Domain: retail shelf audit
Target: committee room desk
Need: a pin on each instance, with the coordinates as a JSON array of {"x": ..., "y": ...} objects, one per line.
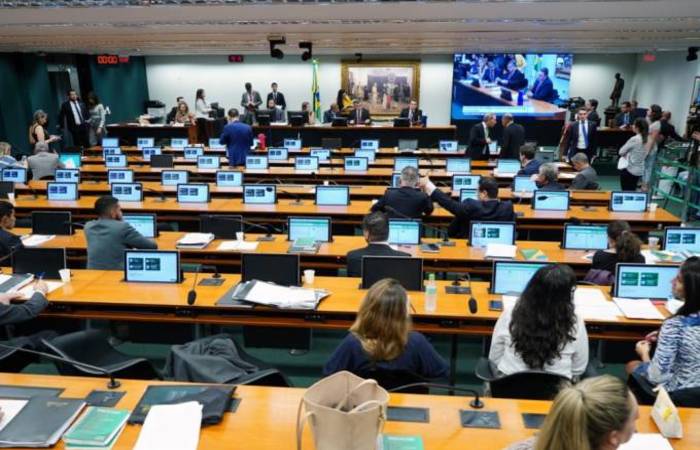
[
  {"x": 129, "y": 132},
  {"x": 266, "y": 417},
  {"x": 613, "y": 137}
]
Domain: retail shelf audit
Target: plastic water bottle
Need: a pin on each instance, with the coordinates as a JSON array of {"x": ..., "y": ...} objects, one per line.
[
  {"x": 431, "y": 294},
  {"x": 520, "y": 98}
]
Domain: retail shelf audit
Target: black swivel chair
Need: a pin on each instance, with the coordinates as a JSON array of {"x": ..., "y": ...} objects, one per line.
[
  {"x": 644, "y": 391},
  {"x": 13, "y": 361},
  {"x": 530, "y": 384}
]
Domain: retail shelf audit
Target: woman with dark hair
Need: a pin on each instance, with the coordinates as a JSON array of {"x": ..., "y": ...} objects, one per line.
[
  {"x": 542, "y": 331},
  {"x": 654, "y": 119},
  {"x": 632, "y": 156},
  {"x": 623, "y": 247},
  {"x": 201, "y": 107},
  {"x": 676, "y": 361},
  {"x": 343, "y": 100},
  {"x": 98, "y": 116}
]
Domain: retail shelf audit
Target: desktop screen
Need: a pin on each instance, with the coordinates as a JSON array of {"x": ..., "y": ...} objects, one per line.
[
  {"x": 193, "y": 193},
  {"x": 120, "y": 176},
  {"x": 208, "y": 162},
  {"x": 629, "y": 201},
  {"x": 255, "y": 162},
  {"x": 472, "y": 194},
  {"x": 323, "y": 154},
  {"x": 369, "y": 144},
  {"x": 127, "y": 192},
  {"x": 511, "y": 277},
  {"x": 292, "y": 144},
  {"x": 354, "y": 163},
  {"x": 144, "y": 142},
  {"x": 174, "y": 177},
  {"x": 508, "y": 166},
  {"x": 366, "y": 153},
  {"x": 277, "y": 154},
  {"x": 259, "y": 193},
  {"x": 484, "y": 233},
  {"x": 524, "y": 184},
  {"x": 68, "y": 175},
  {"x": 111, "y": 151},
  {"x": 404, "y": 231},
  {"x": 115, "y": 161},
  {"x": 62, "y": 191},
  {"x": 448, "y": 146},
  {"x": 550, "y": 200},
  {"x": 215, "y": 144},
  {"x": 110, "y": 142},
  {"x": 316, "y": 228},
  {"x": 70, "y": 160},
  {"x": 192, "y": 152},
  {"x": 229, "y": 178},
  {"x": 401, "y": 162},
  {"x": 396, "y": 179},
  {"x": 178, "y": 142},
  {"x": 143, "y": 223},
  {"x": 677, "y": 239},
  {"x": 459, "y": 165},
  {"x": 147, "y": 152},
  {"x": 152, "y": 266},
  {"x": 306, "y": 163},
  {"x": 585, "y": 237},
  {"x": 332, "y": 195},
  {"x": 14, "y": 174},
  {"x": 465, "y": 182},
  {"x": 644, "y": 280}
]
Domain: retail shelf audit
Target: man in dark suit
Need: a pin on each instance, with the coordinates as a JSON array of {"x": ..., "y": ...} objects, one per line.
[
  {"x": 407, "y": 200},
  {"x": 625, "y": 117},
  {"x": 375, "y": 228},
  {"x": 513, "y": 137},
  {"x": 359, "y": 115},
  {"x": 513, "y": 78},
  {"x": 276, "y": 114},
  {"x": 487, "y": 207},
  {"x": 277, "y": 96},
  {"x": 582, "y": 136},
  {"x": 530, "y": 164},
  {"x": 238, "y": 138},
  {"x": 547, "y": 178},
  {"x": 490, "y": 73},
  {"x": 412, "y": 113},
  {"x": 331, "y": 113},
  {"x": 592, "y": 107},
  {"x": 480, "y": 137},
  {"x": 75, "y": 115},
  {"x": 250, "y": 101},
  {"x": 9, "y": 242},
  {"x": 173, "y": 112},
  {"x": 543, "y": 89}
]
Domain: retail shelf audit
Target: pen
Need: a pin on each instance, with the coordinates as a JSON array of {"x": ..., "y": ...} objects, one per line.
[{"x": 40, "y": 276}]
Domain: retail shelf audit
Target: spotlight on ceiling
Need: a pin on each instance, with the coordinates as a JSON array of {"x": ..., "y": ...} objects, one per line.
[
  {"x": 692, "y": 54},
  {"x": 274, "y": 51},
  {"x": 308, "y": 53},
  {"x": 358, "y": 57}
]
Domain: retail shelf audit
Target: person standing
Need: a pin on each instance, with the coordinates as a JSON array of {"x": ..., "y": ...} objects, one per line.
[
  {"x": 582, "y": 136},
  {"x": 250, "y": 101},
  {"x": 98, "y": 115},
  {"x": 632, "y": 156},
  {"x": 654, "y": 119},
  {"x": 238, "y": 139},
  {"x": 74, "y": 114},
  {"x": 592, "y": 107},
  {"x": 37, "y": 130},
  {"x": 513, "y": 137},
  {"x": 201, "y": 107},
  {"x": 480, "y": 137},
  {"x": 277, "y": 96}
]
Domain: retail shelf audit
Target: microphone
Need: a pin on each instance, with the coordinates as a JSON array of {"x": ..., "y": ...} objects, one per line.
[
  {"x": 472, "y": 305},
  {"x": 297, "y": 197},
  {"x": 266, "y": 228},
  {"x": 457, "y": 288},
  {"x": 476, "y": 403},
  {"x": 161, "y": 195},
  {"x": 446, "y": 242},
  {"x": 192, "y": 294},
  {"x": 111, "y": 384}
]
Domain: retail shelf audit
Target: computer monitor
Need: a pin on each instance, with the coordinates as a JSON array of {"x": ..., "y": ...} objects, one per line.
[
  {"x": 229, "y": 178},
  {"x": 127, "y": 192},
  {"x": 306, "y": 163},
  {"x": 369, "y": 144},
  {"x": 508, "y": 166},
  {"x": 471, "y": 194},
  {"x": 192, "y": 153},
  {"x": 174, "y": 177},
  {"x": 404, "y": 231},
  {"x": 6, "y": 188},
  {"x": 222, "y": 227},
  {"x": 214, "y": 143},
  {"x": 323, "y": 154},
  {"x": 282, "y": 269},
  {"x": 370, "y": 154},
  {"x": 62, "y": 191},
  {"x": 42, "y": 262},
  {"x": 115, "y": 161},
  {"x": 111, "y": 151},
  {"x": 407, "y": 271},
  {"x": 67, "y": 175},
  {"x": 644, "y": 280},
  {"x": 316, "y": 228},
  {"x": 162, "y": 161},
  {"x": 145, "y": 224},
  {"x": 332, "y": 195},
  {"x": 465, "y": 182},
  {"x": 356, "y": 164},
  {"x": 550, "y": 200},
  {"x": 179, "y": 142},
  {"x": 152, "y": 266},
  {"x": 339, "y": 122},
  {"x": 277, "y": 154},
  {"x": 396, "y": 179},
  {"x": 193, "y": 193},
  {"x": 511, "y": 277},
  {"x": 144, "y": 142},
  {"x": 208, "y": 162},
  {"x": 524, "y": 184},
  {"x": 629, "y": 201},
  {"x": 402, "y": 161},
  {"x": 263, "y": 117},
  {"x": 120, "y": 176},
  {"x": 408, "y": 144},
  {"x": 70, "y": 160},
  {"x": 147, "y": 152},
  {"x": 402, "y": 122},
  {"x": 260, "y": 194},
  {"x": 297, "y": 118},
  {"x": 292, "y": 144},
  {"x": 483, "y": 233},
  {"x": 256, "y": 163},
  {"x": 585, "y": 237},
  {"x": 110, "y": 142},
  {"x": 14, "y": 174},
  {"x": 448, "y": 146},
  {"x": 678, "y": 239},
  {"x": 458, "y": 165},
  {"x": 52, "y": 222}
]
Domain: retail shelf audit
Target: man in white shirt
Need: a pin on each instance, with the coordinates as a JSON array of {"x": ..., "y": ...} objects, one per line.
[{"x": 75, "y": 115}]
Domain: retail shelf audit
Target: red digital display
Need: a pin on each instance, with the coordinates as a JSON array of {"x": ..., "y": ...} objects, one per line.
[
  {"x": 108, "y": 59},
  {"x": 235, "y": 58}
]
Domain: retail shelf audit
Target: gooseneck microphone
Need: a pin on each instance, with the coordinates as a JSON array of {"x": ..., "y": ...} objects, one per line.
[
  {"x": 476, "y": 403},
  {"x": 192, "y": 294}
]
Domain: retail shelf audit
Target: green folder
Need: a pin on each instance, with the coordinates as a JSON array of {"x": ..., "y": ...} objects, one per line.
[
  {"x": 97, "y": 427},
  {"x": 533, "y": 254},
  {"x": 398, "y": 442}
]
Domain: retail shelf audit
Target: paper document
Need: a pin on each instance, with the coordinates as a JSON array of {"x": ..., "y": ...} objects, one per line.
[
  {"x": 9, "y": 409},
  {"x": 171, "y": 427},
  {"x": 270, "y": 294},
  {"x": 27, "y": 290},
  {"x": 641, "y": 308},
  {"x": 500, "y": 251},
  {"x": 646, "y": 441},
  {"x": 238, "y": 246},
  {"x": 35, "y": 240},
  {"x": 672, "y": 305},
  {"x": 195, "y": 240},
  {"x": 591, "y": 304}
]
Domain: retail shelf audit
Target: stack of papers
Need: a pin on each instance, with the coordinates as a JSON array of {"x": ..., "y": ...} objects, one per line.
[
  {"x": 169, "y": 427},
  {"x": 28, "y": 290},
  {"x": 591, "y": 304},
  {"x": 35, "y": 240},
  {"x": 98, "y": 429},
  {"x": 195, "y": 240},
  {"x": 657, "y": 256},
  {"x": 638, "y": 308},
  {"x": 270, "y": 294},
  {"x": 238, "y": 246},
  {"x": 10, "y": 408},
  {"x": 500, "y": 251},
  {"x": 646, "y": 441}
]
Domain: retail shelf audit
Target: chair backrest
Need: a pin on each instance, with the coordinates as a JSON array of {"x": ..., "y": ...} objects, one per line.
[
  {"x": 14, "y": 361},
  {"x": 391, "y": 379},
  {"x": 688, "y": 398},
  {"x": 84, "y": 346},
  {"x": 534, "y": 385}
]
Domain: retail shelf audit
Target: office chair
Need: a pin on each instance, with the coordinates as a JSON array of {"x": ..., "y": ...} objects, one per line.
[
  {"x": 390, "y": 379},
  {"x": 529, "y": 384},
  {"x": 13, "y": 361}
]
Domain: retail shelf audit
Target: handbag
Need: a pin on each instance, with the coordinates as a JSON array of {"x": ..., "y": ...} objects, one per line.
[
  {"x": 622, "y": 163},
  {"x": 665, "y": 415},
  {"x": 345, "y": 412}
]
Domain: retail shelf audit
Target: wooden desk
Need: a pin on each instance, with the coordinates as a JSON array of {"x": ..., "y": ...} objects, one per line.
[
  {"x": 491, "y": 94},
  {"x": 129, "y": 132},
  {"x": 266, "y": 417},
  {"x": 613, "y": 137}
]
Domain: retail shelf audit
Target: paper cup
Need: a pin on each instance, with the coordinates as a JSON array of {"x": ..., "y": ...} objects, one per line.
[
  {"x": 11, "y": 197},
  {"x": 653, "y": 242},
  {"x": 240, "y": 236},
  {"x": 652, "y": 207},
  {"x": 65, "y": 275},
  {"x": 309, "y": 276}
]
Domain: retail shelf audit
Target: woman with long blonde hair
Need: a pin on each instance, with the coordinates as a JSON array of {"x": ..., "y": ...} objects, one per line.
[
  {"x": 596, "y": 414},
  {"x": 381, "y": 337}
]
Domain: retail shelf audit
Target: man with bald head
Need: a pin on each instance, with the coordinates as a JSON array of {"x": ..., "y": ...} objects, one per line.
[
  {"x": 513, "y": 137},
  {"x": 480, "y": 137}
]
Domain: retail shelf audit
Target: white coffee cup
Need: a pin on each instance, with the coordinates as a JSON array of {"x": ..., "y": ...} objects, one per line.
[
  {"x": 240, "y": 236},
  {"x": 11, "y": 197},
  {"x": 309, "y": 275},
  {"x": 652, "y": 207},
  {"x": 653, "y": 242},
  {"x": 65, "y": 275}
]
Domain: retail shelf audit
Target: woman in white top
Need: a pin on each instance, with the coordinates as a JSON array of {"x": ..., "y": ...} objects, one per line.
[
  {"x": 542, "y": 330},
  {"x": 634, "y": 153},
  {"x": 654, "y": 118},
  {"x": 201, "y": 107}
]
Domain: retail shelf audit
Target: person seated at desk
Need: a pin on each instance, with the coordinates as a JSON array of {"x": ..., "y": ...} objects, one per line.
[
  {"x": 487, "y": 207},
  {"x": 183, "y": 114},
  {"x": 543, "y": 89},
  {"x": 530, "y": 164},
  {"x": 623, "y": 247},
  {"x": 276, "y": 114},
  {"x": 490, "y": 74},
  {"x": 407, "y": 200},
  {"x": 9, "y": 242},
  {"x": 542, "y": 331},
  {"x": 44, "y": 162},
  {"x": 412, "y": 113},
  {"x": 375, "y": 229},
  {"x": 238, "y": 139},
  {"x": 306, "y": 107},
  {"x": 108, "y": 236},
  {"x": 277, "y": 97},
  {"x": 625, "y": 117},
  {"x": 381, "y": 337},
  {"x": 668, "y": 130},
  {"x": 513, "y": 137},
  {"x": 6, "y": 158},
  {"x": 587, "y": 177},
  {"x": 480, "y": 137},
  {"x": 596, "y": 414},
  {"x": 547, "y": 177},
  {"x": 513, "y": 78},
  {"x": 359, "y": 115},
  {"x": 676, "y": 361},
  {"x": 170, "y": 118},
  {"x": 331, "y": 113}
]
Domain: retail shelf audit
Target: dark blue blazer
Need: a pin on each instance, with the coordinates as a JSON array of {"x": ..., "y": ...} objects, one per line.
[
  {"x": 515, "y": 81},
  {"x": 238, "y": 138},
  {"x": 543, "y": 90},
  {"x": 531, "y": 168}
]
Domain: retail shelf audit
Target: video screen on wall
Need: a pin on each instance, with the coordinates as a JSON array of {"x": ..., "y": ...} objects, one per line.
[{"x": 523, "y": 84}]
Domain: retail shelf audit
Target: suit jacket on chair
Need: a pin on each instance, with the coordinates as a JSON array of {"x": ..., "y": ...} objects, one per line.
[
  {"x": 354, "y": 257},
  {"x": 408, "y": 201}
]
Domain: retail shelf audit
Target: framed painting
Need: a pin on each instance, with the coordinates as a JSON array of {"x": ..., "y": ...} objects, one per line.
[{"x": 384, "y": 87}]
